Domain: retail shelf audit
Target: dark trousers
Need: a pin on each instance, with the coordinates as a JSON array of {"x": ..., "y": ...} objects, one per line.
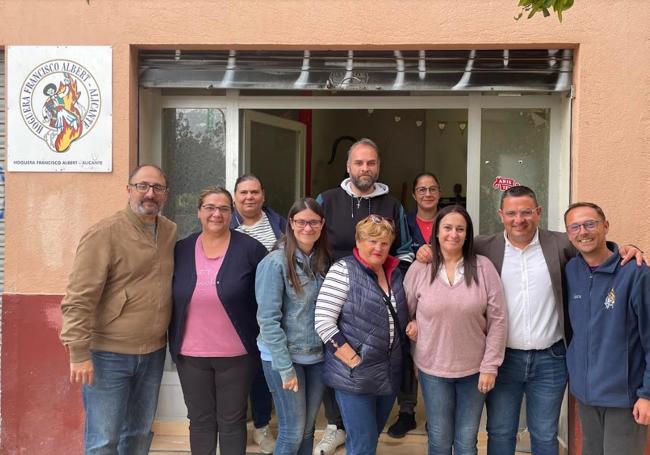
[
  {"x": 408, "y": 399},
  {"x": 610, "y": 431},
  {"x": 332, "y": 411},
  {"x": 261, "y": 400},
  {"x": 215, "y": 390}
]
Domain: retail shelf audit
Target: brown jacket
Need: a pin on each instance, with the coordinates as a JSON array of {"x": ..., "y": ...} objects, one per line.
[{"x": 119, "y": 295}]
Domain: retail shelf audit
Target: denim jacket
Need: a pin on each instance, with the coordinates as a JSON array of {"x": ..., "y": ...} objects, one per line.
[{"x": 286, "y": 319}]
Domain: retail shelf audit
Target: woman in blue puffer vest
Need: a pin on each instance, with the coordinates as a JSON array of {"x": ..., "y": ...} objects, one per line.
[{"x": 361, "y": 314}]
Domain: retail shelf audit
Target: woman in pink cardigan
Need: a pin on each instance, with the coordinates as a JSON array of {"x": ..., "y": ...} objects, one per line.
[{"x": 458, "y": 323}]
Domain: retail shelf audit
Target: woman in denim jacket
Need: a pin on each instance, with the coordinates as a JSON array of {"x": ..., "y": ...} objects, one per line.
[{"x": 286, "y": 286}]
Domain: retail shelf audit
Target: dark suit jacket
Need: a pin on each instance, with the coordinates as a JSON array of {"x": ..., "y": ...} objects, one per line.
[{"x": 557, "y": 251}]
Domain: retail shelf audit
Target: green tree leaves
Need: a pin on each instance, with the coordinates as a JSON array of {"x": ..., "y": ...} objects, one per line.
[{"x": 532, "y": 7}]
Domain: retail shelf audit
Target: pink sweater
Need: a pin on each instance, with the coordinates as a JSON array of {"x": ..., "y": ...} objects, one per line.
[{"x": 461, "y": 330}]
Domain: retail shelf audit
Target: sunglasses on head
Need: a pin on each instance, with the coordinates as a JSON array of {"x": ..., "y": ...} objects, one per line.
[{"x": 378, "y": 219}]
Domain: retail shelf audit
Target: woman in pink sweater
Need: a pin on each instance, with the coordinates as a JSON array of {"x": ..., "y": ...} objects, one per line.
[{"x": 458, "y": 314}]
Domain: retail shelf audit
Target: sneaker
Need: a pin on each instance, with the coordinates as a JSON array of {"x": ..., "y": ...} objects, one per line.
[
  {"x": 405, "y": 423},
  {"x": 264, "y": 438},
  {"x": 332, "y": 438}
]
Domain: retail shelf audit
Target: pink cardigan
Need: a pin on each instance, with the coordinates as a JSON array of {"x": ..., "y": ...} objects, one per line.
[{"x": 461, "y": 330}]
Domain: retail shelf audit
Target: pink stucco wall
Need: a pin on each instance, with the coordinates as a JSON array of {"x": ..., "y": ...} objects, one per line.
[
  {"x": 47, "y": 213},
  {"x": 611, "y": 118}
]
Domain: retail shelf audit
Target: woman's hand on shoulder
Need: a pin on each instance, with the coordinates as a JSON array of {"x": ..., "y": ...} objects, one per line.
[
  {"x": 486, "y": 382},
  {"x": 412, "y": 330}
]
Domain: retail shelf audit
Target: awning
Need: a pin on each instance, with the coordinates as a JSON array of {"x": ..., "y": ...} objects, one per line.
[{"x": 521, "y": 70}]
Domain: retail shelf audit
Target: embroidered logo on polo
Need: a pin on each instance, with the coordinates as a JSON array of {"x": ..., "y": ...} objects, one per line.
[
  {"x": 611, "y": 299},
  {"x": 60, "y": 103}
]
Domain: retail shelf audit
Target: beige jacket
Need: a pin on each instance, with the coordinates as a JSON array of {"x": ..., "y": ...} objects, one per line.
[{"x": 119, "y": 295}]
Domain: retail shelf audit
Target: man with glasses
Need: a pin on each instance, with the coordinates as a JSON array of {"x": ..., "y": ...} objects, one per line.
[
  {"x": 357, "y": 197},
  {"x": 607, "y": 359},
  {"x": 531, "y": 263},
  {"x": 116, "y": 312}
]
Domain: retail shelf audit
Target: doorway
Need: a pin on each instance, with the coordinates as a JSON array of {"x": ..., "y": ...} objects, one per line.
[
  {"x": 410, "y": 140},
  {"x": 472, "y": 140}
]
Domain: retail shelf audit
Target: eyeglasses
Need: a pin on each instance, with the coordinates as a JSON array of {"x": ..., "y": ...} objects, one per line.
[
  {"x": 378, "y": 219},
  {"x": 314, "y": 224},
  {"x": 143, "y": 187},
  {"x": 589, "y": 225},
  {"x": 524, "y": 213},
  {"x": 422, "y": 190},
  {"x": 210, "y": 209}
]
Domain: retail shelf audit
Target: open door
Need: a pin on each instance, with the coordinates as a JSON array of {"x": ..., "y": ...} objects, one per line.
[{"x": 274, "y": 150}]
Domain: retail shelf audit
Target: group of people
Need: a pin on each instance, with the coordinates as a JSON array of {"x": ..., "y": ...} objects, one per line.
[{"x": 329, "y": 306}]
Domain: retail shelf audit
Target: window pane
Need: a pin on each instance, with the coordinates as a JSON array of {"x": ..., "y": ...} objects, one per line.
[
  {"x": 514, "y": 145},
  {"x": 194, "y": 156}
]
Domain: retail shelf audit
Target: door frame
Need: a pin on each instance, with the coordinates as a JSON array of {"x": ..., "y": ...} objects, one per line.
[
  {"x": 252, "y": 116},
  {"x": 152, "y": 103},
  {"x": 559, "y": 146}
]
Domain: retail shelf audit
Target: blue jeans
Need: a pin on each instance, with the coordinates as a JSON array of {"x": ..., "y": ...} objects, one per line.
[
  {"x": 542, "y": 376},
  {"x": 364, "y": 417},
  {"x": 454, "y": 407},
  {"x": 261, "y": 400},
  {"x": 296, "y": 411},
  {"x": 121, "y": 403}
]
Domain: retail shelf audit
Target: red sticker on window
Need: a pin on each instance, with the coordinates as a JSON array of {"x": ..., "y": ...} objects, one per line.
[{"x": 503, "y": 183}]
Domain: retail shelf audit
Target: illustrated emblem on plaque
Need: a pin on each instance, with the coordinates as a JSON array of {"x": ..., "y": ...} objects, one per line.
[{"x": 60, "y": 102}]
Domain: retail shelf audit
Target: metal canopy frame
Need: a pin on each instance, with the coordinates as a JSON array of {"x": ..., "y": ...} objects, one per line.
[{"x": 520, "y": 70}]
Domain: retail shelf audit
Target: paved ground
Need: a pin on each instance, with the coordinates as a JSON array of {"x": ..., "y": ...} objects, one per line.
[{"x": 414, "y": 443}]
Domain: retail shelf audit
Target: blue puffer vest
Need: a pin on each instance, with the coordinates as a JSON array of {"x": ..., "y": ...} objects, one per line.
[{"x": 364, "y": 323}]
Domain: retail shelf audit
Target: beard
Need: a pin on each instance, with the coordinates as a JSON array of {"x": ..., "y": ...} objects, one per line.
[
  {"x": 363, "y": 182},
  {"x": 139, "y": 207}
]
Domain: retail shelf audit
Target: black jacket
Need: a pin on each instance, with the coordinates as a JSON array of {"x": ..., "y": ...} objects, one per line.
[{"x": 343, "y": 211}]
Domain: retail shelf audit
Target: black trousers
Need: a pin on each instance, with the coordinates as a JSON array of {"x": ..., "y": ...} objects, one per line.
[
  {"x": 215, "y": 390},
  {"x": 408, "y": 397},
  {"x": 332, "y": 411}
]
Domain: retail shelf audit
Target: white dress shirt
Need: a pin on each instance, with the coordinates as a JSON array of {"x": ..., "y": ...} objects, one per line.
[{"x": 533, "y": 322}]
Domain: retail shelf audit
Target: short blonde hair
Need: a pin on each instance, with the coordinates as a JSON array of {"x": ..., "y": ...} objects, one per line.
[{"x": 374, "y": 226}]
